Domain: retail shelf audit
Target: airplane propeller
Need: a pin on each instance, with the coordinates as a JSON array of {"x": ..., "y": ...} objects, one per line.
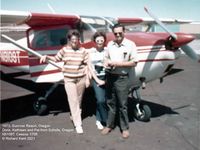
[
  {"x": 187, "y": 49},
  {"x": 190, "y": 52},
  {"x": 174, "y": 36}
]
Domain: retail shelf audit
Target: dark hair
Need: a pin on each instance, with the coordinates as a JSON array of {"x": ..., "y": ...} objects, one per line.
[
  {"x": 118, "y": 25},
  {"x": 73, "y": 33},
  {"x": 97, "y": 34},
  {"x": 63, "y": 41}
]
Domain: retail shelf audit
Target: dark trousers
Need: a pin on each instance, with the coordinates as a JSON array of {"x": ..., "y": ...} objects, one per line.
[{"x": 117, "y": 100}]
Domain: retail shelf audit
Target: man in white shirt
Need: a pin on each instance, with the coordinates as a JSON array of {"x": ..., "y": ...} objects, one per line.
[{"x": 120, "y": 57}]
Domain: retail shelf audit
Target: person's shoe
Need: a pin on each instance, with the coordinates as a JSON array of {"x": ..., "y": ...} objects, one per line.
[
  {"x": 79, "y": 130},
  {"x": 99, "y": 125},
  {"x": 106, "y": 131},
  {"x": 125, "y": 134}
]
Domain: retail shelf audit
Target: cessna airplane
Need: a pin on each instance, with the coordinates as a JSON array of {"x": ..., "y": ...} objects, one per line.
[{"x": 45, "y": 34}]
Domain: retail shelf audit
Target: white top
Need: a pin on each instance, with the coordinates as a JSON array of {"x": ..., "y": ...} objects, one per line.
[
  {"x": 126, "y": 51},
  {"x": 96, "y": 58}
]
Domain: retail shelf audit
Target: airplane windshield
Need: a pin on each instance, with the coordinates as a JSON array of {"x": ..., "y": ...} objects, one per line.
[{"x": 98, "y": 23}]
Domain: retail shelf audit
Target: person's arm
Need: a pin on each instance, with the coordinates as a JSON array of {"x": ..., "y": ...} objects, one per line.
[
  {"x": 94, "y": 76},
  {"x": 106, "y": 61},
  {"x": 132, "y": 62},
  {"x": 45, "y": 57},
  {"x": 57, "y": 57},
  {"x": 122, "y": 64}
]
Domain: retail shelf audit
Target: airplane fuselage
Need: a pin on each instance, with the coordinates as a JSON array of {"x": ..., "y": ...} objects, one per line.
[
  {"x": 154, "y": 61},
  {"x": 13, "y": 57}
]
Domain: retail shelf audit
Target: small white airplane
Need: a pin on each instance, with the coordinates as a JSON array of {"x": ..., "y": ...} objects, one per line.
[{"x": 45, "y": 34}]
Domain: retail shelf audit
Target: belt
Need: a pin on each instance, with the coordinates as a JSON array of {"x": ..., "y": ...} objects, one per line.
[
  {"x": 118, "y": 75},
  {"x": 115, "y": 73}
]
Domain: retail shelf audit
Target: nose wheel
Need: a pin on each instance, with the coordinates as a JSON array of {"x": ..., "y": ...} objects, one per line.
[{"x": 142, "y": 112}]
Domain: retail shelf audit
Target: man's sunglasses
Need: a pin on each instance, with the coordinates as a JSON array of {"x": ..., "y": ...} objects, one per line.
[{"x": 116, "y": 33}]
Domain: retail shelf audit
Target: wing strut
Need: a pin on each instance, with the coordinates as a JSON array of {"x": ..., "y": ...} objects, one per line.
[{"x": 28, "y": 49}]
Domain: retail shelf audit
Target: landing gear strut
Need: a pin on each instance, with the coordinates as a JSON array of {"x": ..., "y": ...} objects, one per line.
[
  {"x": 142, "y": 112},
  {"x": 41, "y": 106}
]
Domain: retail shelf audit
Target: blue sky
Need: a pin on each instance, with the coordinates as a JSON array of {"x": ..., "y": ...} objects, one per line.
[{"x": 176, "y": 9}]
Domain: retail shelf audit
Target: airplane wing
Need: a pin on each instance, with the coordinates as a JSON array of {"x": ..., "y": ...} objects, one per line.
[
  {"x": 36, "y": 19},
  {"x": 11, "y": 18},
  {"x": 147, "y": 24},
  {"x": 133, "y": 21}
]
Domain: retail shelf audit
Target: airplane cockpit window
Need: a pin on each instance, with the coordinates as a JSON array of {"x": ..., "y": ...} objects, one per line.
[
  {"x": 98, "y": 23},
  {"x": 87, "y": 32},
  {"x": 92, "y": 24},
  {"x": 47, "y": 38}
]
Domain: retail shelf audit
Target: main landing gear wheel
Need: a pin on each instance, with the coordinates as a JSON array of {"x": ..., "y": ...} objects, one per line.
[
  {"x": 142, "y": 112},
  {"x": 40, "y": 106}
]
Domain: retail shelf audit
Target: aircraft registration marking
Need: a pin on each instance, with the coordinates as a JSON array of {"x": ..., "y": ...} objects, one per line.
[{"x": 10, "y": 56}]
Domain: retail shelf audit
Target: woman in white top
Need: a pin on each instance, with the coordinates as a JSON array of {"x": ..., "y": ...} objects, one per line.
[{"x": 97, "y": 54}]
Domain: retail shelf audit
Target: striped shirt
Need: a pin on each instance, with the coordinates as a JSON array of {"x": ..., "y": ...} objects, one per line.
[{"x": 75, "y": 61}]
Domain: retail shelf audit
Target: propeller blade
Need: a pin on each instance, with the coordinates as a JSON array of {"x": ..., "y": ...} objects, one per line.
[
  {"x": 190, "y": 52},
  {"x": 160, "y": 23},
  {"x": 51, "y": 8}
]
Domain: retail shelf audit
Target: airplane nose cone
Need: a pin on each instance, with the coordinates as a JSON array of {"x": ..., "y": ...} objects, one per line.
[{"x": 183, "y": 39}]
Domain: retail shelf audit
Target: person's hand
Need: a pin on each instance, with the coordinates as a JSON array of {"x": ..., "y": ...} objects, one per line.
[
  {"x": 87, "y": 83},
  {"x": 108, "y": 64},
  {"x": 43, "y": 59},
  {"x": 100, "y": 82}
]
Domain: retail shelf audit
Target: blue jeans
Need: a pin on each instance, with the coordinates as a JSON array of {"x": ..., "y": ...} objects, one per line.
[{"x": 101, "y": 109}]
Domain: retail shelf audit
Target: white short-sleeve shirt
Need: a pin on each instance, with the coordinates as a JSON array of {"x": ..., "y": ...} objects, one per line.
[{"x": 126, "y": 51}]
